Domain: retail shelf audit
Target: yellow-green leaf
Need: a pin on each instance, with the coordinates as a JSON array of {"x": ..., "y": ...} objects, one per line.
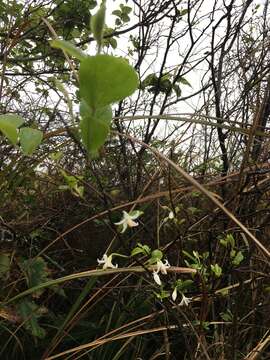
[
  {"x": 9, "y": 124},
  {"x": 105, "y": 79},
  {"x": 30, "y": 140},
  {"x": 68, "y": 47},
  {"x": 95, "y": 127},
  {"x": 97, "y": 24}
]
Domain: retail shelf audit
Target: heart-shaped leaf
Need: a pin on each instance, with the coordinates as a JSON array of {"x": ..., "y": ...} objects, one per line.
[
  {"x": 95, "y": 127},
  {"x": 105, "y": 79},
  {"x": 9, "y": 124},
  {"x": 30, "y": 139}
]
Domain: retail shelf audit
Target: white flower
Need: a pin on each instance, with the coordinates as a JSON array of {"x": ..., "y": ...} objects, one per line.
[
  {"x": 185, "y": 300},
  {"x": 107, "y": 262},
  {"x": 162, "y": 267},
  {"x": 157, "y": 278},
  {"x": 174, "y": 294},
  {"x": 127, "y": 220},
  {"x": 171, "y": 215}
]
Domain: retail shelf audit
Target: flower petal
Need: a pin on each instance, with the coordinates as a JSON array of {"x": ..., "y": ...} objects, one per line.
[
  {"x": 174, "y": 294},
  {"x": 103, "y": 260},
  {"x": 157, "y": 278},
  {"x": 120, "y": 222},
  {"x": 162, "y": 267},
  {"x": 131, "y": 223},
  {"x": 185, "y": 300},
  {"x": 124, "y": 228}
]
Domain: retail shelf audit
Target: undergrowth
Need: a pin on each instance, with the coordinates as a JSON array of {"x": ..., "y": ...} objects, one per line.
[{"x": 129, "y": 230}]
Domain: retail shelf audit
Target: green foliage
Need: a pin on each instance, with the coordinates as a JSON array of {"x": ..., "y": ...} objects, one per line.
[
  {"x": 217, "y": 270},
  {"x": 63, "y": 205},
  {"x": 141, "y": 249},
  {"x": 36, "y": 272},
  {"x": 226, "y": 315},
  {"x": 163, "y": 85},
  {"x": 30, "y": 313},
  {"x": 237, "y": 257},
  {"x": 163, "y": 294},
  {"x": 30, "y": 139},
  {"x": 95, "y": 126},
  {"x": 72, "y": 184},
  {"x": 109, "y": 40},
  {"x": 228, "y": 241},
  {"x": 122, "y": 14},
  {"x": 9, "y": 124},
  {"x": 73, "y": 15},
  {"x": 155, "y": 256},
  {"x": 68, "y": 47},
  {"x": 150, "y": 80},
  {"x": 98, "y": 23},
  {"x": 183, "y": 81},
  {"x": 105, "y": 79},
  {"x": 183, "y": 285},
  {"x": 198, "y": 262}
]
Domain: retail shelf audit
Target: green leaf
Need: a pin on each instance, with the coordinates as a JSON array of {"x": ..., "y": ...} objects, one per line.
[
  {"x": 92, "y": 4},
  {"x": 141, "y": 249},
  {"x": 15, "y": 119},
  {"x": 156, "y": 255},
  {"x": 238, "y": 258},
  {"x": 162, "y": 295},
  {"x": 117, "y": 13},
  {"x": 125, "y": 17},
  {"x": 150, "y": 80},
  {"x": 226, "y": 316},
  {"x": 9, "y": 124},
  {"x": 68, "y": 47},
  {"x": 223, "y": 242},
  {"x": 98, "y": 23},
  {"x": 125, "y": 9},
  {"x": 177, "y": 90},
  {"x": 183, "y": 12},
  {"x": 30, "y": 139},
  {"x": 30, "y": 312},
  {"x": 217, "y": 270},
  {"x": 72, "y": 184},
  {"x": 136, "y": 251},
  {"x": 184, "y": 81},
  {"x": 106, "y": 79},
  {"x": 136, "y": 213},
  {"x": 36, "y": 272},
  {"x": 95, "y": 127},
  {"x": 110, "y": 42},
  {"x": 230, "y": 240}
]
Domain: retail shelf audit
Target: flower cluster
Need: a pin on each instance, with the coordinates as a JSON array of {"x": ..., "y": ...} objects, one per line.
[{"x": 155, "y": 260}]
